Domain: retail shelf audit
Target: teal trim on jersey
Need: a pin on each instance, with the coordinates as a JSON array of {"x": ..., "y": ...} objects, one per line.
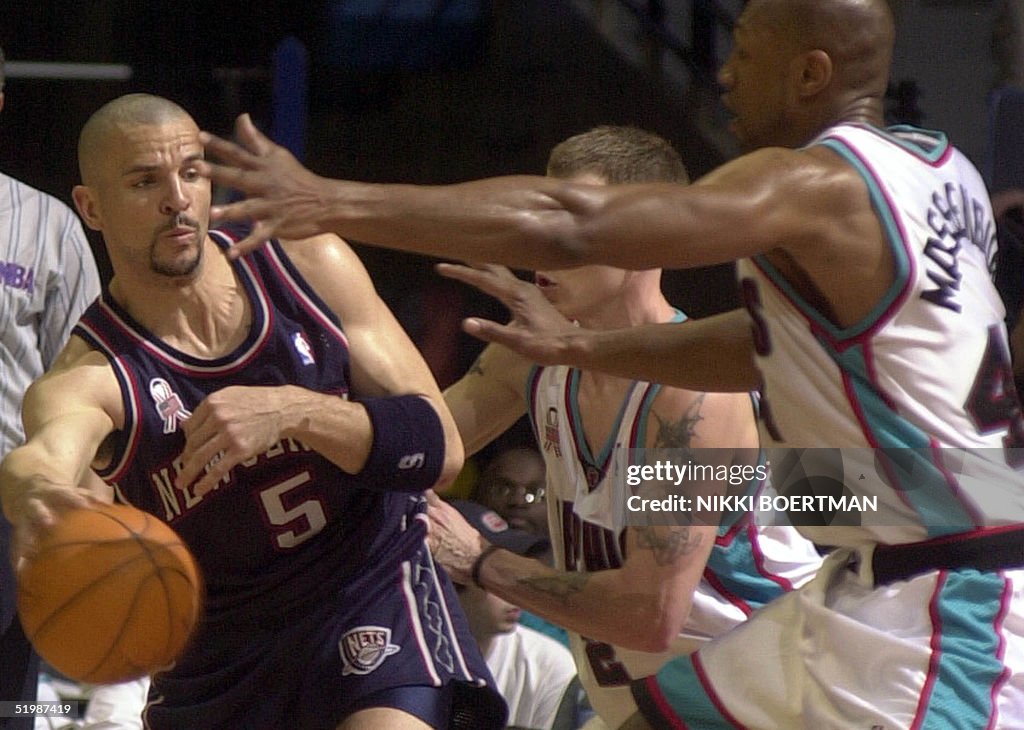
[
  {"x": 679, "y": 316},
  {"x": 643, "y": 416},
  {"x": 939, "y": 142},
  {"x": 643, "y": 412},
  {"x": 682, "y": 689},
  {"x": 921, "y": 482},
  {"x": 580, "y": 436},
  {"x": 969, "y": 609},
  {"x": 736, "y": 569},
  {"x": 892, "y": 235},
  {"x": 531, "y": 376}
]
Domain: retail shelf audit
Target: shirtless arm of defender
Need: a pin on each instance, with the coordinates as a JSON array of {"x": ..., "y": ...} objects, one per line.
[
  {"x": 771, "y": 199},
  {"x": 643, "y": 604},
  {"x": 243, "y": 421},
  {"x": 67, "y": 413}
]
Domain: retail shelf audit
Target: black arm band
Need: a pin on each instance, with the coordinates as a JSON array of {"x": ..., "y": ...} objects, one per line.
[
  {"x": 408, "y": 448},
  {"x": 474, "y": 573}
]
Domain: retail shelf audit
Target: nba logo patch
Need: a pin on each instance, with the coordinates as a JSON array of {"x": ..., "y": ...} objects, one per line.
[
  {"x": 303, "y": 348},
  {"x": 365, "y": 648},
  {"x": 168, "y": 404}
]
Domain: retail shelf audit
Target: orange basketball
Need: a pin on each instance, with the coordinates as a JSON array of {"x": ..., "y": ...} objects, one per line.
[{"x": 112, "y": 593}]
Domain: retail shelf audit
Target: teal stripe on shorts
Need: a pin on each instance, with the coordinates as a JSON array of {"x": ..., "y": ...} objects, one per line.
[{"x": 968, "y": 610}]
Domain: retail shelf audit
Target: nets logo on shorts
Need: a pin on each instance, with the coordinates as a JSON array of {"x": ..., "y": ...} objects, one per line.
[{"x": 365, "y": 648}]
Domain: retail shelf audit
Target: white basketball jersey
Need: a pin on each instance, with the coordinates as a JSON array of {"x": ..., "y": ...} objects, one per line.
[
  {"x": 928, "y": 368},
  {"x": 587, "y": 495}
]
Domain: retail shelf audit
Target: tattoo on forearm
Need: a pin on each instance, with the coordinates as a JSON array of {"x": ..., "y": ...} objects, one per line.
[
  {"x": 562, "y": 585},
  {"x": 667, "y": 544},
  {"x": 679, "y": 434}
]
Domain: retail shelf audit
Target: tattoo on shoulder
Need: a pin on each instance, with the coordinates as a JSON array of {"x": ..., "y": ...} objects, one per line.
[
  {"x": 476, "y": 368},
  {"x": 679, "y": 434},
  {"x": 562, "y": 585},
  {"x": 667, "y": 544}
]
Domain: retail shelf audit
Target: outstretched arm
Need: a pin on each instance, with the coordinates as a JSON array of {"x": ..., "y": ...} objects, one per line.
[
  {"x": 644, "y": 604},
  {"x": 640, "y": 606},
  {"x": 67, "y": 414},
  {"x": 755, "y": 204}
]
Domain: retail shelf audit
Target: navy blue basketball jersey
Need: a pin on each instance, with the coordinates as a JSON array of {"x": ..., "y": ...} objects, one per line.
[
  {"x": 286, "y": 523},
  {"x": 287, "y": 541}
]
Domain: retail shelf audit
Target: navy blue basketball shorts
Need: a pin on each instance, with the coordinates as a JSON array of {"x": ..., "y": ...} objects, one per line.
[{"x": 401, "y": 643}]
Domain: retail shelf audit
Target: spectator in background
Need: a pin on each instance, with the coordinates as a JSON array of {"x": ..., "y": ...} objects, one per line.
[
  {"x": 512, "y": 484},
  {"x": 47, "y": 279}
]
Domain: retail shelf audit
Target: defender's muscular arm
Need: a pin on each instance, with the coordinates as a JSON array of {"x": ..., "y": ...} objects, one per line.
[
  {"x": 621, "y": 606},
  {"x": 643, "y": 604},
  {"x": 242, "y": 421},
  {"x": 714, "y": 354},
  {"x": 767, "y": 200}
]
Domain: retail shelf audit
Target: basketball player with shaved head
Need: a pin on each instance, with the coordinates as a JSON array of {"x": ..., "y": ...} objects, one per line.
[
  {"x": 871, "y": 323},
  {"x": 273, "y": 412}
]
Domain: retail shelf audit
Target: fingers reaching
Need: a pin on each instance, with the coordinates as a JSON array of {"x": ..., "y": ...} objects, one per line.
[
  {"x": 282, "y": 198},
  {"x": 252, "y": 144},
  {"x": 257, "y": 142},
  {"x": 497, "y": 281},
  {"x": 489, "y": 331},
  {"x": 537, "y": 348}
]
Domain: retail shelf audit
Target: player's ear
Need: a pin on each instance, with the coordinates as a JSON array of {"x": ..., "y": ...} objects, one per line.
[
  {"x": 815, "y": 69},
  {"x": 87, "y": 206}
]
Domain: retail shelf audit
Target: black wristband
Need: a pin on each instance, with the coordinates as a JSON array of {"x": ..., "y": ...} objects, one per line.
[
  {"x": 408, "y": 447},
  {"x": 474, "y": 572}
]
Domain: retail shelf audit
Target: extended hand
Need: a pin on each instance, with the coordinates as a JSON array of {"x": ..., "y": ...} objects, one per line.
[
  {"x": 36, "y": 508},
  {"x": 537, "y": 330},
  {"x": 284, "y": 199},
  {"x": 453, "y": 541},
  {"x": 230, "y": 426}
]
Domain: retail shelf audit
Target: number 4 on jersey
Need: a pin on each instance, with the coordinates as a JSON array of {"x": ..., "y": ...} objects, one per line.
[{"x": 993, "y": 401}]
